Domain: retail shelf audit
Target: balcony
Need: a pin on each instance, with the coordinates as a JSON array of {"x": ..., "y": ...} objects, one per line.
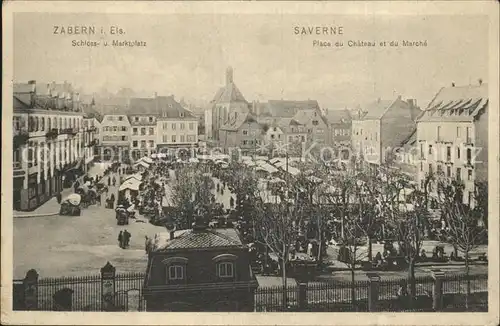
[
  {"x": 69, "y": 131},
  {"x": 20, "y": 139},
  {"x": 53, "y": 133}
]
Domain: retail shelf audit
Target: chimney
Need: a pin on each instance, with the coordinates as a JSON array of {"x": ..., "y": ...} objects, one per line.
[
  {"x": 399, "y": 97},
  {"x": 172, "y": 235},
  {"x": 452, "y": 84},
  {"x": 480, "y": 81},
  {"x": 32, "y": 82}
]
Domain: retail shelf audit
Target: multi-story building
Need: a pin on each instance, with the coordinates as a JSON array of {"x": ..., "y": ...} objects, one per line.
[
  {"x": 47, "y": 142},
  {"x": 452, "y": 135},
  {"x": 382, "y": 128},
  {"x": 241, "y": 132},
  {"x": 199, "y": 270},
  {"x": 339, "y": 123},
  {"x": 177, "y": 127},
  {"x": 315, "y": 124},
  {"x": 90, "y": 134},
  {"x": 115, "y": 137},
  {"x": 143, "y": 120},
  {"x": 226, "y": 101}
]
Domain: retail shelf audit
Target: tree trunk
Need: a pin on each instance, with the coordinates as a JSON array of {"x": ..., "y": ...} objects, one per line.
[
  {"x": 455, "y": 251},
  {"x": 370, "y": 254},
  {"x": 467, "y": 279},
  {"x": 283, "y": 270},
  {"x": 353, "y": 289},
  {"x": 411, "y": 279}
]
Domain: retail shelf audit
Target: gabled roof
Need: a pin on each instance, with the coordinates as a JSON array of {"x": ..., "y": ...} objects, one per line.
[
  {"x": 338, "y": 116},
  {"x": 457, "y": 103},
  {"x": 376, "y": 110},
  {"x": 235, "y": 121},
  {"x": 229, "y": 93},
  {"x": 192, "y": 239},
  {"x": 115, "y": 122},
  {"x": 287, "y": 109},
  {"x": 171, "y": 109}
]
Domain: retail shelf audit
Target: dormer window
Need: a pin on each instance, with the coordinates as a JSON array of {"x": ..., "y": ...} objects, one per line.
[
  {"x": 225, "y": 269},
  {"x": 136, "y": 119},
  {"x": 175, "y": 272},
  {"x": 182, "y": 114}
]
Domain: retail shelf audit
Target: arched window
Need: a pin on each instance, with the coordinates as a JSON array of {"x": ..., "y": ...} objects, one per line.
[
  {"x": 175, "y": 269},
  {"x": 225, "y": 265}
]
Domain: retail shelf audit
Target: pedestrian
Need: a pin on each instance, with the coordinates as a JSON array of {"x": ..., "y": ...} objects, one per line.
[
  {"x": 114, "y": 181},
  {"x": 231, "y": 202},
  {"x": 98, "y": 199},
  {"x": 120, "y": 239},
  {"x": 127, "y": 237},
  {"x": 109, "y": 181},
  {"x": 59, "y": 197}
]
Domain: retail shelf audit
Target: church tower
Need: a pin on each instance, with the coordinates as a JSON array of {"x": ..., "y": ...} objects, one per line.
[{"x": 229, "y": 76}]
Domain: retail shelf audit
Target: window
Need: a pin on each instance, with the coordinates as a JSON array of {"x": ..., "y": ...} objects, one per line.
[
  {"x": 469, "y": 198},
  {"x": 448, "y": 153},
  {"x": 225, "y": 269},
  {"x": 136, "y": 119},
  {"x": 439, "y": 168},
  {"x": 174, "y": 139},
  {"x": 469, "y": 155},
  {"x": 181, "y": 114},
  {"x": 134, "y": 130},
  {"x": 430, "y": 149},
  {"x": 182, "y": 139},
  {"x": 459, "y": 174},
  {"x": 150, "y": 119},
  {"x": 120, "y": 118},
  {"x": 151, "y": 143},
  {"x": 143, "y": 131},
  {"x": 134, "y": 143},
  {"x": 458, "y": 152},
  {"x": 272, "y": 136},
  {"x": 430, "y": 169},
  {"x": 143, "y": 144},
  {"x": 468, "y": 135},
  {"x": 42, "y": 125},
  {"x": 151, "y": 131},
  {"x": 176, "y": 272},
  {"x": 421, "y": 151},
  {"x": 191, "y": 139},
  {"x": 439, "y": 133},
  {"x": 421, "y": 166},
  {"x": 469, "y": 175},
  {"x": 124, "y": 128},
  {"x": 191, "y": 126},
  {"x": 181, "y": 126},
  {"x": 173, "y": 126},
  {"x": 458, "y": 132},
  {"x": 244, "y": 142},
  {"x": 245, "y": 132},
  {"x": 448, "y": 171},
  {"x": 165, "y": 138},
  {"x": 315, "y": 122},
  {"x": 124, "y": 138}
]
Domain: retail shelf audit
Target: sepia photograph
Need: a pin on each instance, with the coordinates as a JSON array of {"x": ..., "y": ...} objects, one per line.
[{"x": 257, "y": 162}]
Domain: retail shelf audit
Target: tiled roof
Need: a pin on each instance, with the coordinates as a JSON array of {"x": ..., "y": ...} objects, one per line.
[
  {"x": 287, "y": 109},
  {"x": 229, "y": 93},
  {"x": 376, "y": 110},
  {"x": 338, "y": 116},
  {"x": 209, "y": 238},
  {"x": 462, "y": 103},
  {"x": 236, "y": 121},
  {"x": 115, "y": 122}
]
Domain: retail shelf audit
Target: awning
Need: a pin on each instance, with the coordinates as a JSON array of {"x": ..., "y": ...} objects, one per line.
[
  {"x": 131, "y": 184},
  {"x": 136, "y": 176},
  {"x": 73, "y": 199},
  {"x": 193, "y": 160},
  {"x": 145, "y": 159},
  {"x": 142, "y": 163}
]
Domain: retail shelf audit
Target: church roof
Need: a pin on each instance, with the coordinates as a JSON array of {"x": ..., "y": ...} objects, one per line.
[
  {"x": 229, "y": 93},
  {"x": 236, "y": 120}
]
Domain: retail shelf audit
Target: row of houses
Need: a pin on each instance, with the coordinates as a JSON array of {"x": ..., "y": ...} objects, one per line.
[{"x": 53, "y": 141}]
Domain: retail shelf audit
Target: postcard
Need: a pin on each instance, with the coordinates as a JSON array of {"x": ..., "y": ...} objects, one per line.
[{"x": 250, "y": 163}]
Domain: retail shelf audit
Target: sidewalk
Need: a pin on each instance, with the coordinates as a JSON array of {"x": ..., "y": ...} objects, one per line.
[{"x": 49, "y": 208}]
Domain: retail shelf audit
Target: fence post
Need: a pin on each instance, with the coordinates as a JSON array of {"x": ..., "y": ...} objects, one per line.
[
  {"x": 437, "y": 290},
  {"x": 108, "y": 287},
  {"x": 30, "y": 283},
  {"x": 373, "y": 291},
  {"x": 302, "y": 296}
]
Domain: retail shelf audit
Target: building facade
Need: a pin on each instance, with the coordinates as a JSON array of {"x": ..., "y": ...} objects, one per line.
[
  {"x": 382, "y": 129},
  {"x": 242, "y": 132},
  {"x": 199, "y": 270},
  {"x": 90, "y": 134},
  {"x": 452, "y": 136},
  {"x": 143, "y": 140},
  {"x": 115, "y": 136},
  {"x": 47, "y": 141},
  {"x": 339, "y": 127},
  {"x": 226, "y": 101}
]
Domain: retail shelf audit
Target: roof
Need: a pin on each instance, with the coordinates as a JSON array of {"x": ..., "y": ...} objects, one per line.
[
  {"x": 376, "y": 110},
  {"x": 235, "y": 121},
  {"x": 287, "y": 109},
  {"x": 115, "y": 121},
  {"x": 193, "y": 239},
  {"x": 338, "y": 116},
  {"x": 229, "y": 93},
  {"x": 457, "y": 103},
  {"x": 23, "y": 88}
]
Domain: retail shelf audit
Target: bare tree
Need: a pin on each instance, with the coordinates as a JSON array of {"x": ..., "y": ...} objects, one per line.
[
  {"x": 279, "y": 226},
  {"x": 462, "y": 221}
]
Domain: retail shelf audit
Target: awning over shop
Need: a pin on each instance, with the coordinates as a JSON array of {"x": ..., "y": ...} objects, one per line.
[
  {"x": 131, "y": 184},
  {"x": 136, "y": 176},
  {"x": 142, "y": 163}
]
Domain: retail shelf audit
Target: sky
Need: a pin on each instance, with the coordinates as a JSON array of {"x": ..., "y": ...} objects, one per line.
[{"x": 187, "y": 55}]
